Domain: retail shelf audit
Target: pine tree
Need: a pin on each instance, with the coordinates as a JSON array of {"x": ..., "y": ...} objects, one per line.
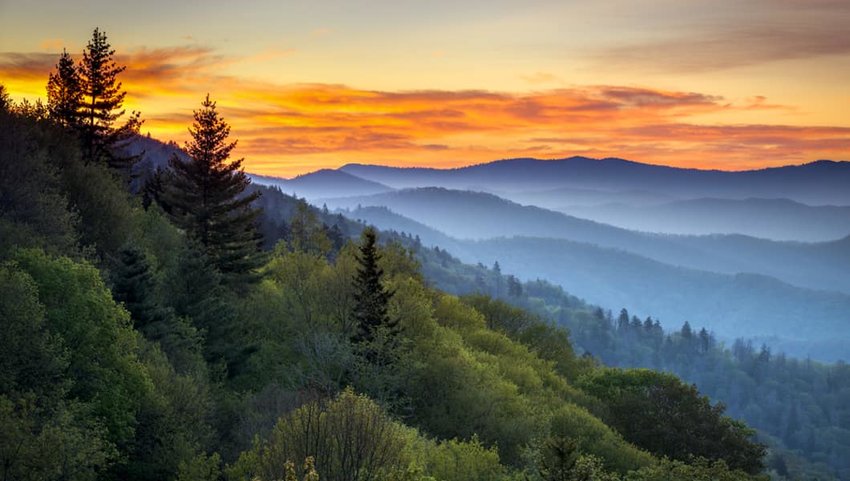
[
  {"x": 64, "y": 93},
  {"x": 102, "y": 99},
  {"x": 133, "y": 285},
  {"x": 206, "y": 197},
  {"x": 5, "y": 101},
  {"x": 370, "y": 296}
]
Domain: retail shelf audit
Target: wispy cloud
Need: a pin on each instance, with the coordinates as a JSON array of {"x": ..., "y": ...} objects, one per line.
[
  {"x": 732, "y": 34},
  {"x": 729, "y": 47}
]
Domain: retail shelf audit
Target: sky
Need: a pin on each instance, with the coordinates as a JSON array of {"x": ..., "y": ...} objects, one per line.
[{"x": 716, "y": 84}]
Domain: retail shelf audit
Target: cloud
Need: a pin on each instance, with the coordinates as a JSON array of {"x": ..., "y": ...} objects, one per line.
[
  {"x": 287, "y": 129},
  {"x": 540, "y": 78},
  {"x": 732, "y": 47},
  {"x": 52, "y": 44}
]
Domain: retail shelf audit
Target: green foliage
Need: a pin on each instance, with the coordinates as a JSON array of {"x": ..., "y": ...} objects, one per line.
[
  {"x": 107, "y": 216},
  {"x": 350, "y": 437},
  {"x": 102, "y": 361},
  {"x": 33, "y": 204},
  {"x": 454, "y": 460},
  {"x": 307, "y": 233},
  {"x": 173, "y": 421},
  {"x": 200, "y": 468},
  {"x": 41, "y": 445},
  {"x": 699, "y": 469},
  {"x": 660, "y": 413}
]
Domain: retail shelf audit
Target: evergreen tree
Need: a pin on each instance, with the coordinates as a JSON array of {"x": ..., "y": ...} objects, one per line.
[
  {"x": 64, "y": 93},
  {"x": 134, "y": 286},
  {"x": 102, "y": 99},
  {"x": 5, "y": 101},
  {"x": 370, "y": 296},
  {"x": 206, "y": 197},
  {"x": 623, "y": 320}
]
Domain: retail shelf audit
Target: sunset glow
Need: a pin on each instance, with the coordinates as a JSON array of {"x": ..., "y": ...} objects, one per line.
[{"x": 308, "y": 87}]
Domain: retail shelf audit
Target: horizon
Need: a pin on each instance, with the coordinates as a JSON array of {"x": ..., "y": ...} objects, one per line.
[
  {"x": 574, "y": 157},
  {"x": 307, "y": 87}
]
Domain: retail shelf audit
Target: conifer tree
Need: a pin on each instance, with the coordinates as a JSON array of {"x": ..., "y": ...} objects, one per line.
[
  {"x": 206, "y": 197},
  {"x": 102, "y": 99},
  {"x": 64, "y": 93},
  {"x": 370, "y": 295},
  {"x": 134, "y": 286}
]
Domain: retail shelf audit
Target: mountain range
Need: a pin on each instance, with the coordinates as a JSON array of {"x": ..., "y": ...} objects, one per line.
[
  {"x": 822, "y": 182},
  {"x": 795, "y": 293}
]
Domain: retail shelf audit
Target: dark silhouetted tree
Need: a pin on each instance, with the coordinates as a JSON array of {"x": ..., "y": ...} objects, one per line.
[
  {"x": 100, "y": 109},
  {"x": 64, "y": 93},
  {"x": 206, "y": 197}
]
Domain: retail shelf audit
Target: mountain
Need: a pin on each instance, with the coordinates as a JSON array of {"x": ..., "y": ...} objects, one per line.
[
  {"x": 479, "y": 216},
  {"x": 777, "y": 219},
  {"x": 325, "y": 183},
  {"x": 819, "y": 183},
  {"x": 732, "y": 305},
  {"x": 556, "y": 199}
]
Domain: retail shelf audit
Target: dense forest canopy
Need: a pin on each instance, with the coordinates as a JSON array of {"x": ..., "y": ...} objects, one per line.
[{"x": 199, "y": 328}]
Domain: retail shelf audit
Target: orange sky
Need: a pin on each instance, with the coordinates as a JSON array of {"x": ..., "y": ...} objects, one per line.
[{"x": 772, "y": 93}]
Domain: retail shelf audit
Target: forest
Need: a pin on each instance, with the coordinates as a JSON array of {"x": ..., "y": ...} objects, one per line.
[{"x": 182, "y": 324}]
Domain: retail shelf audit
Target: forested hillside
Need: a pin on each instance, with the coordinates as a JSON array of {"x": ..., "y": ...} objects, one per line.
[{"x": 155, "y": 333}]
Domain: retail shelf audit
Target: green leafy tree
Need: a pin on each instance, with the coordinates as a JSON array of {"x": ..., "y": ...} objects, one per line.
[
  {"x": 102, "y": 360},
  {"x": 102, "y": 98},
  {"x": 206, "y": 197},
  {"x": 660, "y": 413},
  {"x": 64, "y": 93},
  {"x": 350, "y": 438}
]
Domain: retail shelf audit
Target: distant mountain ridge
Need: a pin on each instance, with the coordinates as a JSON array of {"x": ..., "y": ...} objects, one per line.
[
  {"x": 803, "y": 322},
  {"x": 324, "y": 183},
  {"x": 479, "y": 216},
  {"x": 822, "y": 182},
  {"x": 778, "y": 219}
]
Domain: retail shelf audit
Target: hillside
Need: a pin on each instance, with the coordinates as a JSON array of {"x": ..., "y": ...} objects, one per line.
[
  {"x": 135, "y": 351},
  {"x": 741, "y": 305},
  {"x": 472, "y": 215},
  {"x": 323, "y": 183}
]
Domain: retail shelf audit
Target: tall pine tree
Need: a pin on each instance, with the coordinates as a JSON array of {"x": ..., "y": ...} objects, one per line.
[
  {"x": 64, "y": 93},
  {"x": 206, "y": 196},
  {"x": 370, "y": 296},
  {"x": 102, "y": 98}
]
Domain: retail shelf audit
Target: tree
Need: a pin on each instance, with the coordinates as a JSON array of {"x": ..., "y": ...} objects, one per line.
[
  {"x": 134, "y": 286},
  {"x": 64, "y": 93},
  {"x": 206, "y": 197},
  {"x": 5, "y": 101},
  {"x": 370, "y": 296},
  {"x": 351, "y": 439},
  {"x": 102, "y": 99},
  {"x": 659, "y": 413}
]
